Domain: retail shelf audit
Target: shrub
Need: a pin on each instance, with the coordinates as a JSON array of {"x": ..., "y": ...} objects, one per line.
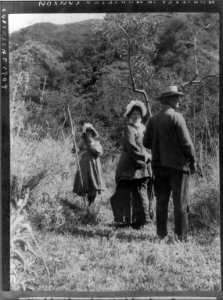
[
  {"x": 204, "y": 209},
  {"x": 22, "y": 255},
  {"x": 62, "y": 215},
  {"x": 44, "y": 166},
  {"x": 77, "y": 213},
  {"x": 46, "y": 214}
]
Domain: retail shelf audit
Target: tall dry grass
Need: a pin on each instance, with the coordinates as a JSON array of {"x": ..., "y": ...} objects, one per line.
[
  {"x": 46, "y": 168},
  {"x": 205, "y": 198}
]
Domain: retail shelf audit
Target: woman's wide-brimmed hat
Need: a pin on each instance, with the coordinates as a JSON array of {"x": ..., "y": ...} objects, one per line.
[
  {"x": 135, "y": 103},
  {"x": 169, "y": 91},
  {"x": 89, "y": 127}
]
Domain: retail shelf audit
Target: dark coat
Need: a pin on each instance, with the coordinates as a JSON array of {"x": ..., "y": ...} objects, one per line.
[
  {"x": 134, "y": 162},
  {"x": 169, "y": 139}
]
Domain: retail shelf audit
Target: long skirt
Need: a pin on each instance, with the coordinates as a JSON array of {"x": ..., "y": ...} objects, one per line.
[
  {"x": 130, "y": 203},
  {"x": 90, "y": 181}
]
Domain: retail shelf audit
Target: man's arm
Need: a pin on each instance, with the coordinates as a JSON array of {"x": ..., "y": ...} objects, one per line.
[{"x": 185, "y": 140}]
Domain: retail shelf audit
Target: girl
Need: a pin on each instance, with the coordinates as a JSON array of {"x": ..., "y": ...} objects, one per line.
[{"x": 89, "y": 182}]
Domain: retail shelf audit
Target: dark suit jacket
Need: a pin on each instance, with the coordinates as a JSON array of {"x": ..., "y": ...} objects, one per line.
[{"x": 169, "y": 139}]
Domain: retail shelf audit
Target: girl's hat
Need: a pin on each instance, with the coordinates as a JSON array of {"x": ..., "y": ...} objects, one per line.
[
  {"x": 90, "y": 127},
  {"x": 135, "y": 103},
  {"x": 169, "y": 91}
]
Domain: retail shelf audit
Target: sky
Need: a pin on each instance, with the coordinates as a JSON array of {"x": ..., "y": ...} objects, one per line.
[{"x": 19, "y": 21}]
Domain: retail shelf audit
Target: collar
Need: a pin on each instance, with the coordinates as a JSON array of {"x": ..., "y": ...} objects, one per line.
[
  {"x": 165, "y": 107},
  {"x": 139, "y": 127},
  {"x": 135, "y": 125}
]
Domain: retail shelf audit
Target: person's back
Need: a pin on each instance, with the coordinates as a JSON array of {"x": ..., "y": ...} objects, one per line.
[
  {"x": 173, "y": 158},
  {"x": 169, "y": 140}
]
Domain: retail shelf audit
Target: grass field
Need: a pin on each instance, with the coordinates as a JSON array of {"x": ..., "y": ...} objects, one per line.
[
  {"x": 82, "y": 249},
  {"x": 101, "y": 258}
]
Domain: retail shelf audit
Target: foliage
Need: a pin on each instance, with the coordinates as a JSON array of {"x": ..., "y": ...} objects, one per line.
[
  {"x": 128, "y": 259},
  {"x": 61, "y": 215},
  {"x": 47, "y": 169},
  {"x": 85, "y": 65},
  {"x": 46, "y": 214},
  {"x": 99, "y": 258},
  {"x": 74, "y": 238},
  {"x": 22, "y": 255},
  {"x": 204, "y": 208},
  {"x": 77, "y": 214},
  {"x": 35, "y": 165}
]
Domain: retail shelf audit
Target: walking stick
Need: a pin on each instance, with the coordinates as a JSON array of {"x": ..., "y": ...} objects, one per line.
[{"x": 77, "y": 158}]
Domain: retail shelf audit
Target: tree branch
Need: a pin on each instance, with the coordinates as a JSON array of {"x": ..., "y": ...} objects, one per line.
[
  {"x": 195, "y": 52},
  {"x": 142, "y": 92},
  {"x": 208, "y": 76},
  {"x": 196, "y": 78}
]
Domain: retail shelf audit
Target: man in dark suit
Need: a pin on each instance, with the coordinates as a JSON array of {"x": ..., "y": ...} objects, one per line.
[{"x": 173, "y": 159}]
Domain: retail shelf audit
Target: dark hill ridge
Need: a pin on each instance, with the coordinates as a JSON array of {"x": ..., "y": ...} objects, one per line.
[
  {"x": 58, "y": 36},
  {"x": 55, "y": 51},
  {"x": 72, "y": 47}
]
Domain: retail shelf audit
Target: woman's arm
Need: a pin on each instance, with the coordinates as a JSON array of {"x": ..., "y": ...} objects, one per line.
[
  {"x": 80, "y": 146},
  {"x": 95, "y": 148},
  {"x": 136, "y": 153},
  {"x": 147, "y": 135}
]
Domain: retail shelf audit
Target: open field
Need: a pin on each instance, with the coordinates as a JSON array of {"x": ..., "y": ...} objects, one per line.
[
  {"x": 101, "y": 258},
  {"x": 85, "y": 252},
  {"x": 56, "y": 243}
]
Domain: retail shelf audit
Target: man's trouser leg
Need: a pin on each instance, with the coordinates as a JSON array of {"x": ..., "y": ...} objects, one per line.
[
  {"x": 162, "y": 191},
  {"x": 179, "y": 184}
]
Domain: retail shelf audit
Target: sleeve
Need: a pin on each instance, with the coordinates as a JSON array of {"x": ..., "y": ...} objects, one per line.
[
  {"x": 147, "y": 139},
  {"x": 95, "y": 148},
  {"x": 135, "y": 152},
  {"x": 185, "y": 139},
  {"x": 80, "y": 146}
]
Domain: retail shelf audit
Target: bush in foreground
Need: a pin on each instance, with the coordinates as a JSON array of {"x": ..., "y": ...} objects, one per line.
[{"x": 205, "y": 205}]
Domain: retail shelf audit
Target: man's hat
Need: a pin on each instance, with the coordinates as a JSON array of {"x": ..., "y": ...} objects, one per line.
[
  {"x": 133, "y": 104},
  {"x": 169, "y": 91},
  {"x": 90, "y": 127}
]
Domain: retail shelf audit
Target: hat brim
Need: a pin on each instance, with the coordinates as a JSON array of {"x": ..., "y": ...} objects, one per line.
[
  {"x": 170, "y": 94},
  {"x": 135, "y": 106},
  {"x": 94, "y": 132}
]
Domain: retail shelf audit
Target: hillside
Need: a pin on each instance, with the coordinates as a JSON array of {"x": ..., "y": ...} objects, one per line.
[
  {"x": 57, "y": 36},
  {"x": 48, "y": 50},
  {"x": 84, "y": 65},
  {"x": 57, "y": 243}
]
